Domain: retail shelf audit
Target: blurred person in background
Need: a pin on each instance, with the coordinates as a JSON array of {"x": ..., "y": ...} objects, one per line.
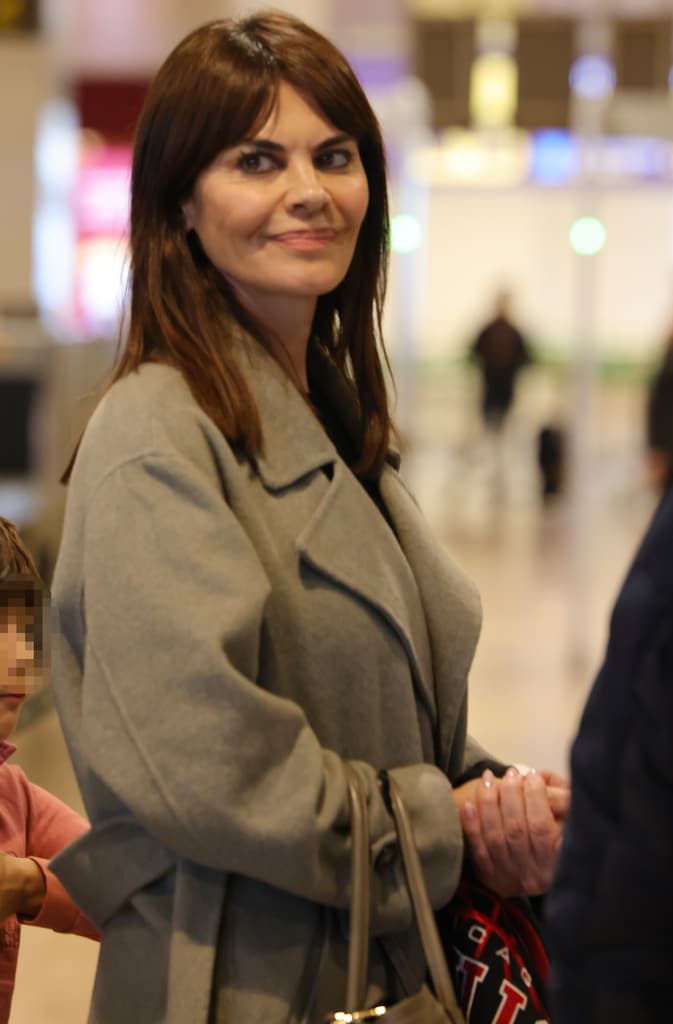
[
  {"x": 660, "y": 422},
  {"x": 610, "y": 908},
  {"x": 247, "y": 594},
  {"x": 501, "y": 351},
  {"x": 34, "y": 825}
]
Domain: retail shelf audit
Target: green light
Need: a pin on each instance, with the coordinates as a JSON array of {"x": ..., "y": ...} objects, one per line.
[
  {"x": 405, "y": 233},
  {"x": 587, "y": 236}
]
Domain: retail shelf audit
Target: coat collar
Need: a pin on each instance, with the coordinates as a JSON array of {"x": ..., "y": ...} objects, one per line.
[{"x": 295, "y": 443}]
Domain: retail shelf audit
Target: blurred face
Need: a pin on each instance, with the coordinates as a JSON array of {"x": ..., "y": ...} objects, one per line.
[
  {"x": 17, "y": 662},
  {"x": 279, "y": 214}
]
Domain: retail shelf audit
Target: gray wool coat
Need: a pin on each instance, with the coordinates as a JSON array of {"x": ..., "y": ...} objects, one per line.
[{"x": 226, "y": 637}]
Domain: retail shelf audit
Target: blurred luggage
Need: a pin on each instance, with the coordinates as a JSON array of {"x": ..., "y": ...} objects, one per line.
[{"x": 551, "y": 458}]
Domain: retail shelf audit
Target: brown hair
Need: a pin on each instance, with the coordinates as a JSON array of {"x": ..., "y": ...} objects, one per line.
[
  {"x": 216, "y": 87},
  {"x": 21, "y": 585},
  {"x": 15, "y": 558}
]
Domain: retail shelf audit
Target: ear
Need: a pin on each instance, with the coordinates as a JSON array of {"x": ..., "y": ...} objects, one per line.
[{"x": 188, "y": 214}]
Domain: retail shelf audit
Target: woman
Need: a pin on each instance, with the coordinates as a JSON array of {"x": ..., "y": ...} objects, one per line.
[{"x": 247, "y": 594}]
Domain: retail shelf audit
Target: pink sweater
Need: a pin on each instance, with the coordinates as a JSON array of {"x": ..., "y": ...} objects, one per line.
[{"x": 34, "y": 824}]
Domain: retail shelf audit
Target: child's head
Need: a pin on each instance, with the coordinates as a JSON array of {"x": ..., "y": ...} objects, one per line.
[{"x": 21, "y": 628}]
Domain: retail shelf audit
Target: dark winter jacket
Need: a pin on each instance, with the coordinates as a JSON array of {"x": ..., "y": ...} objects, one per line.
[{"x": 610, "y": 911}]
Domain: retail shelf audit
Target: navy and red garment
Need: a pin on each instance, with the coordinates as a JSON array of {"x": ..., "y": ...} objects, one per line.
[{"x": 497, "y": 957}]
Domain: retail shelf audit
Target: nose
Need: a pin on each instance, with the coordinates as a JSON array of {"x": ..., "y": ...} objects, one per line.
[
  {"x": 306, "y": 193},
  {"x": 21, "y": 656}
]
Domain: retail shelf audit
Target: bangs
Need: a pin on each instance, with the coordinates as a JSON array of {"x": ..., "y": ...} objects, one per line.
[
  {"x": 212, "y": 92},
  {"x": 21, "y": 592}
]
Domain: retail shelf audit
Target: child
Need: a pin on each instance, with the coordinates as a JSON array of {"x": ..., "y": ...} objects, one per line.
[{"x": 34, "y": 825}]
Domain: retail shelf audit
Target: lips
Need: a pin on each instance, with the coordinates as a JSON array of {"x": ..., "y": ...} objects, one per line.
[
  {"x": 305, "y": 241},
  {"x": 315, "y": 235},
  {"x": 12, "y": 700}
]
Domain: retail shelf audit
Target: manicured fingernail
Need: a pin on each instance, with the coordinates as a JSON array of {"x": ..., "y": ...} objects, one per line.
[
  {"x": 487, "y": 778},
  {"x": 470, "y": 811},
  {"x": 512, "y": 772}
]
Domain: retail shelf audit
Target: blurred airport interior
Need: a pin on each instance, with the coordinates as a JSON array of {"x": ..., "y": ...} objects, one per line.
[{"x": 530, "y": 147}]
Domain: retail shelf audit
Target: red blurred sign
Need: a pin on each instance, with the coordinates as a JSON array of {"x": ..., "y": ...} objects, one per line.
[{"x": 102, "y": 198}]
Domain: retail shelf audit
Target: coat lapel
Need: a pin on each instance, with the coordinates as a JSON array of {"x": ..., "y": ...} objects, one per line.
[
  {"x": 451, "y": 607},
  {"x": 349, "y": 542},
  {"x": 346, "y": 539}
]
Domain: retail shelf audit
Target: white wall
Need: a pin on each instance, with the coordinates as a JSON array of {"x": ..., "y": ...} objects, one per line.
[{"x": 480, "y": 239}]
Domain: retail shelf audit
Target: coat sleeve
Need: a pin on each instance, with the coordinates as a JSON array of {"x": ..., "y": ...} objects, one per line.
[
  {"x": 51, "y": 826},
  {"x": 175, "y": 723}
]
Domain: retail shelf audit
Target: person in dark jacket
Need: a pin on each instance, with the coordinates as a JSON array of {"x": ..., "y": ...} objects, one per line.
[
  {"x": 501, "y": 351},
  {"x": 610, "y": 908},
  {"x": 660, "y": 422}
]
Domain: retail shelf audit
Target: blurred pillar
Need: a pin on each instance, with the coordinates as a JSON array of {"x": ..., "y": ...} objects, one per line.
[
  {"x": 25, "y": 84},
  {"x": 590, "y": 92}
]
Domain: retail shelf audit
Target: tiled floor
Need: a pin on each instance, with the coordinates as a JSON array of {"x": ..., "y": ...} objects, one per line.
[{"x": 546, "y": 594}]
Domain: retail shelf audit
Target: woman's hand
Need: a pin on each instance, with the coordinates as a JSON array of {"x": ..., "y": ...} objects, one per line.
[
  {"x": 513, "y": 828},
  {"x": 22, "y": 886},
  {"x": 558, "y": 792}
]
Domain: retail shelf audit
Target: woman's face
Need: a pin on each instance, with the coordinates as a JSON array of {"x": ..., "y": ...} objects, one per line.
[{"x": 279, "y": 214}]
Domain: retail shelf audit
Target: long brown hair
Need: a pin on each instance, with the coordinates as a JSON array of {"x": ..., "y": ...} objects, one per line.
[{"x": 216, "y": 87}]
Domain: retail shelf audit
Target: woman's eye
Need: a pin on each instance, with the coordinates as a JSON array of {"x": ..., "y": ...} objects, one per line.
[
  {"x": 255, "y": 163},
  {"x": 334, "y": 159}
]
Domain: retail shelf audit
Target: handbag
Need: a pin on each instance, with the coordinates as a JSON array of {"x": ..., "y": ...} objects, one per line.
[
  {"x": 497, "y": 957},
  {"x": 425, "y": 1006}
]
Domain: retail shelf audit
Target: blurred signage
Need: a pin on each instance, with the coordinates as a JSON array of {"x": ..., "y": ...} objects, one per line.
[
  {"x": 558, "y": 158},
  {"x": 552, "y": 157},
  {"x": 555, "y": 158},
  {"x": 19, "y": 16},
  {"x": 102, "y": 222},
  {"x": 464, "y": 158},
  {"x": 102, "y": 201}
]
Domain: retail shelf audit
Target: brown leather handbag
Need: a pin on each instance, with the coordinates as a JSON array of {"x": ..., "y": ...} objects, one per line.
[{"x": 437, "y": 1006}]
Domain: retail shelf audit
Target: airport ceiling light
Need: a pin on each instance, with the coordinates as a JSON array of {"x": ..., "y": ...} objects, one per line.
[
  {"x": 587, "y": 236},
  {"x": 406, "y": 233},
  {"x": 493, "y": 90},
  {"x": 592, "y": 77},
  {"x": 464, "y": 157}
]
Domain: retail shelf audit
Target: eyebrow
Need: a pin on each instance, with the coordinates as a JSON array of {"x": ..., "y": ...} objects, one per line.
[{"x": 275, "y": 147}]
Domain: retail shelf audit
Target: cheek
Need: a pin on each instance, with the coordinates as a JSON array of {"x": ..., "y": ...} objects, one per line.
[
  {"x": 231, "y": 226},
  {"x": 357, "y": 202}
]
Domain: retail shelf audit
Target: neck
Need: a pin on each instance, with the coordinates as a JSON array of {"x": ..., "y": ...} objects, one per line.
[
  {"x": 294, "y": 332},
  {"x": 289, "y": 321}
]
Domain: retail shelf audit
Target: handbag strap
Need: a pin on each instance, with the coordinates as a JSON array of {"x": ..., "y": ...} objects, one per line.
[
  {"x": 420, "y": 901},
  {"x": 358, "y": 946}
]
